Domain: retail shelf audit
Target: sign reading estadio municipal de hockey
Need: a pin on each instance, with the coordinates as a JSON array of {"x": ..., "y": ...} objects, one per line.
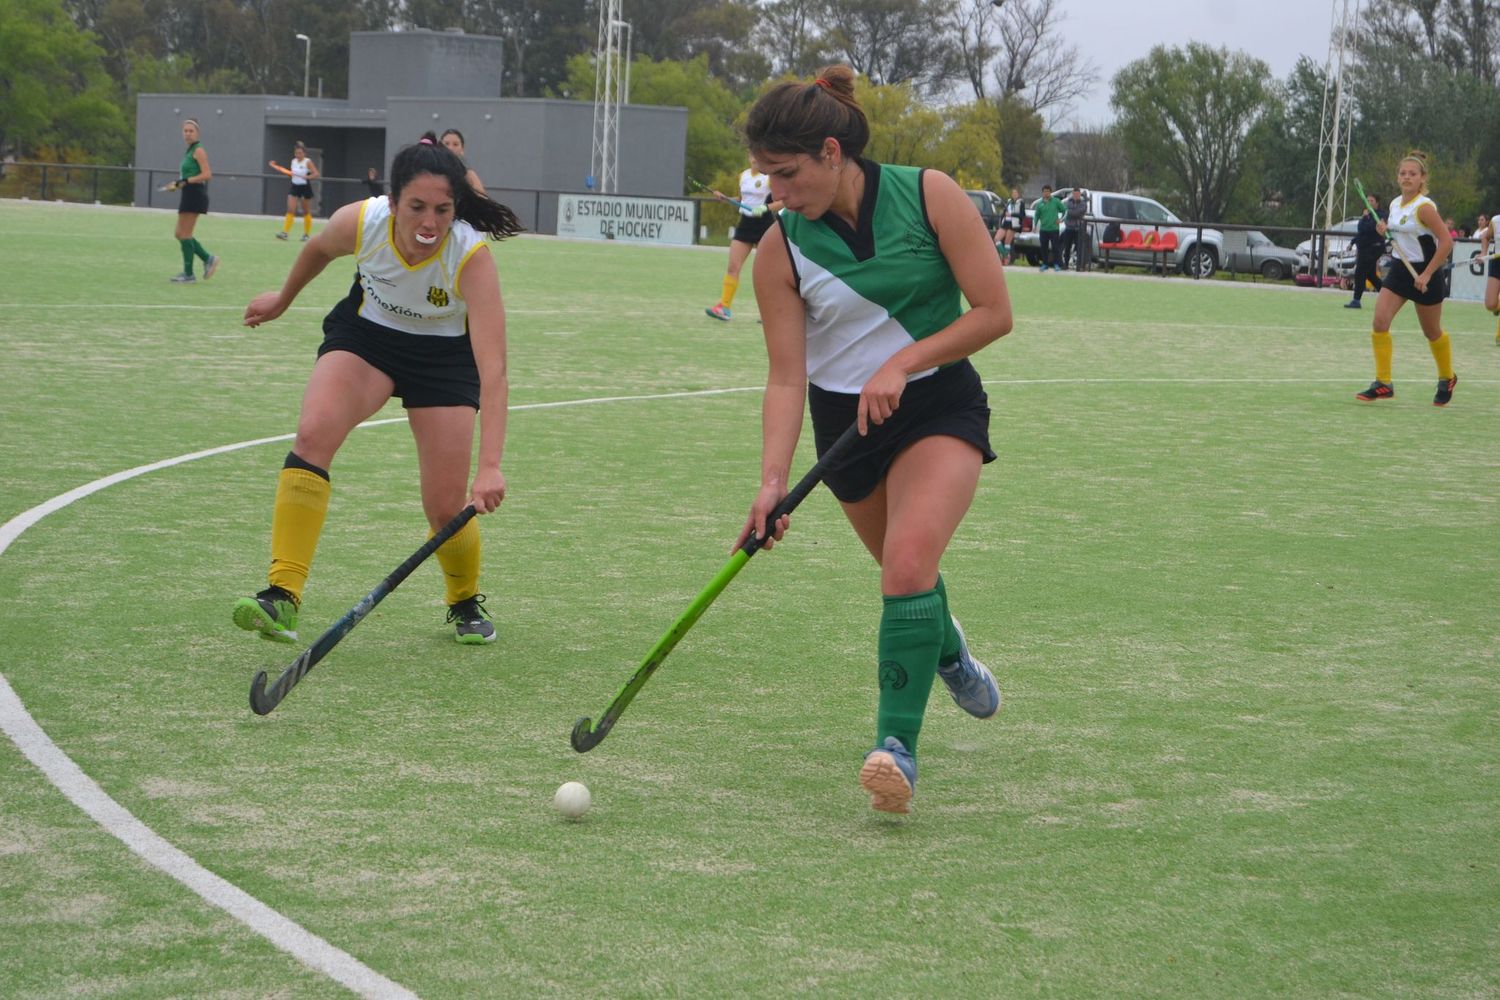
[{"x": 616, "y": 217}]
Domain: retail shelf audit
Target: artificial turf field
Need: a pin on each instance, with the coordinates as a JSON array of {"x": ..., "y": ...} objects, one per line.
[{"x": 1246, "y": 628}]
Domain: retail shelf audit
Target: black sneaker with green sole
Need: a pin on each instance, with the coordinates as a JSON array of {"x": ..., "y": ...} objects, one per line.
[{"x": 471, "y": 623}]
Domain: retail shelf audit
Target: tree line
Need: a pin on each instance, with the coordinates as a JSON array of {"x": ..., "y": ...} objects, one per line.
[{"x": 961, "y": 85}]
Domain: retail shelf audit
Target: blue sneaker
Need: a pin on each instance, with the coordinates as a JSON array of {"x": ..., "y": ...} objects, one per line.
[
  {"x": 889, "y": 774},
  {"x": 719, "y": 311},
  {"x": 970, "y": 682}
]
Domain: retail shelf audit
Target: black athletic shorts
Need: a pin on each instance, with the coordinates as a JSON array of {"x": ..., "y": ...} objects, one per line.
[
  {"x": 752, "y": 227},
  {"x": 301, "y": 190},
  {"x": 1399, "y": 280},
  {"x": 1493, "y": 270},
  {"x": 428, "y": 371},
  {"x": 951, "y": 401},
  {"x": 194, "y": 198}
]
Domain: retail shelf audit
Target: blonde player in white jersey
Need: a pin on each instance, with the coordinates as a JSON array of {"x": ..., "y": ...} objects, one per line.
[
  {"x": 423, "y": 322},
  {"x": 1421, "y": 245},
  {"x": 757, "y": 213},
  {"x": 1488, "y": 244},
  {"x": 303, "y": 171}
]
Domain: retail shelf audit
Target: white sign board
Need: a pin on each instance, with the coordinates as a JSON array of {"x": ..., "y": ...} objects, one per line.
[
  {"x": 1469, "y": 275},
  {"x": 616, "y": 217}
]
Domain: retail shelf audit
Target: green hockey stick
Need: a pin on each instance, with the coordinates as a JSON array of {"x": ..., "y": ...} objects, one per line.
[{"x": 586, "y": 733}]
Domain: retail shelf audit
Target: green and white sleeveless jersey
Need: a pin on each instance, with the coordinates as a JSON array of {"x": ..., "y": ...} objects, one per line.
[
  {"x": 870, "y": 291},
  {"x": 423, "y": 298}
]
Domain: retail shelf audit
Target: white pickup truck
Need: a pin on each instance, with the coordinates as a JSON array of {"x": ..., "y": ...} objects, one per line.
[{"x": 1192, "y": 255}]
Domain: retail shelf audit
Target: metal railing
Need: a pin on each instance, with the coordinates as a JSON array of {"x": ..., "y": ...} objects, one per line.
[
  {"x": 122, "y": 185},
  {"x": 1231, "y": 256}
]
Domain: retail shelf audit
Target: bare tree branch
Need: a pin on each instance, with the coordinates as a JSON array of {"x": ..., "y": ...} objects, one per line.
[{"x": 1035, "y": 62}]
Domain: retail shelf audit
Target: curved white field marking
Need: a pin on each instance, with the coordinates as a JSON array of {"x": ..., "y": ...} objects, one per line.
[
  {"x": 151, "y": 847},
  {"x": 85, "y": 793}
]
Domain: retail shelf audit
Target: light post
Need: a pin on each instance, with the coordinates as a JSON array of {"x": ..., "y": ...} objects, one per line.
[
  {"x": 306, "y": 60},
  {"x": 619, "y": 26}
]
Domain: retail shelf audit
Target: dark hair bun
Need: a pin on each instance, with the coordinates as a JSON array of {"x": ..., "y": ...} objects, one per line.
[{"x": 839, "y": 79}]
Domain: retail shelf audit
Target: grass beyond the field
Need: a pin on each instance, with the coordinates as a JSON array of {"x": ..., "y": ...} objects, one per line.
[{"x": 1246, "y": 629}]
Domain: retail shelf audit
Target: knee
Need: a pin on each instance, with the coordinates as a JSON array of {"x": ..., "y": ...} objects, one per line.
[
  {"x": 440, "y": 510},
  {"x": 313, "y": 445},
  {"x": 906, "y": 571}
]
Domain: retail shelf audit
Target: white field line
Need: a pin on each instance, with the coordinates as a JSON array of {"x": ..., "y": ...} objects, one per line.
[
  {"x": 291, "y": 937},
  {"x": 284, "y": 933},
  {"x": 87, "y": 795}
]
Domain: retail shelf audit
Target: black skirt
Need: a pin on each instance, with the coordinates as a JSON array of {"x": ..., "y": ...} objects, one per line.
[
  {"x": 193, "y": 198},
  {"x": 1399, "y": 280},
  {"x": 426, "y": 370},
  {"x": 951, "y": 401},
  {"x": 752, "y": 227}
]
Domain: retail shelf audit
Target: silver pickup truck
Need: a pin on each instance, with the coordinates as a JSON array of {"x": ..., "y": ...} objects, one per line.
[{"x": 1191, "y": 255}]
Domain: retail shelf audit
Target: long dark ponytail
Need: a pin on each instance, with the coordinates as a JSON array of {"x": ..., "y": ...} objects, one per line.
[{"x": 428, "y": 156}]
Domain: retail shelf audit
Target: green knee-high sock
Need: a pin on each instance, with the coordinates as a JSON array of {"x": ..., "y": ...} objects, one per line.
[
  {"x": 950, "y": 634},
  {"x": 203, "y": 254},
  {"x": 911, "y": 634},
  {"x": 187, "y": 256}
]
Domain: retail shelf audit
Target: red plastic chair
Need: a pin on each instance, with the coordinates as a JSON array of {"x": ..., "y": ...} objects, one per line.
[
  {"x": 1166, "y": 244},
  {"x": 1133, "y": 241}
]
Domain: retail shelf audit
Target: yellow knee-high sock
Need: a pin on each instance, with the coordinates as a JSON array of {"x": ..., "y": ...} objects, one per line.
[
  {"x": 286, "y": 226},
  {"x": 731, "y": 285},
  {"x": 1381, "y": 341},
  {"x": 296, "y": 523},
  {"x": 1442, "y": 353},
  {"x": 459, "y": 557},
  {"x": 307, "y": 224}
]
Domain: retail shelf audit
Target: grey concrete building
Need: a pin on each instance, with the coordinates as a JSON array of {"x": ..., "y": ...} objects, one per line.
[{"x": 402, "y": 84}]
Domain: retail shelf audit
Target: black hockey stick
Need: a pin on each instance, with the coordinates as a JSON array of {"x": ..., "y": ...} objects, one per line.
[
  {"x": 587, "y": 735},
  {"x": 262, "y": 699}
]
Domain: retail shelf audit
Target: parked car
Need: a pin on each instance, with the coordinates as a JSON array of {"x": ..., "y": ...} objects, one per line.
[
  {"x": 1261, "y": 256},
  {"x": 991, "y": 207},
  {"x": 1334, "y": 245},
  {"x": 1145, "y": 216}
]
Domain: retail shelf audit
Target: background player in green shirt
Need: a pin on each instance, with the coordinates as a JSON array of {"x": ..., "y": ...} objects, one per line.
[{"x": 192, "y": 180}]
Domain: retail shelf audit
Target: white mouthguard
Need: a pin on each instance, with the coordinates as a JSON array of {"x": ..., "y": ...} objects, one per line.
[{"x": 426, "y": 241}]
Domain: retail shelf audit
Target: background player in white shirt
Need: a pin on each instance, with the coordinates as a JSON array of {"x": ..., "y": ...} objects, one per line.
[
  {"x": 1421, "y": 245},
  {"x": 757, "y": 213},
  {"x": 302, "y": 172}
]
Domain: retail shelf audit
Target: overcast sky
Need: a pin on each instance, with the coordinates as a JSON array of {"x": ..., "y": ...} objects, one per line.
[{"x": 1111, "y": 33}]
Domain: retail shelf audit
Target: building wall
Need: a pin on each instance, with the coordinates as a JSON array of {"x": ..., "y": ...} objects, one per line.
[
  {"x": 523, "y": 148},
  {"x": 233, "y": 133},
  {"x": 422, "y": 63},
  {"x": 338, "y": 151}
]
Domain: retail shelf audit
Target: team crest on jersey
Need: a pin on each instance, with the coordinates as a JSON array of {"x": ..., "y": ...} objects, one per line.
[
  {"x": 917, "y": 238},
  {"x": 437, "y": 296}
]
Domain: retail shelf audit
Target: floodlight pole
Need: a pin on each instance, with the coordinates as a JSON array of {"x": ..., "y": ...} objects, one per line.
[
  {"x": 1331, "y": 187},
  {"x": 629, "y": 35},
  {"x": 306, "y": 60},
  {"x": 608, "y": 96}
]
